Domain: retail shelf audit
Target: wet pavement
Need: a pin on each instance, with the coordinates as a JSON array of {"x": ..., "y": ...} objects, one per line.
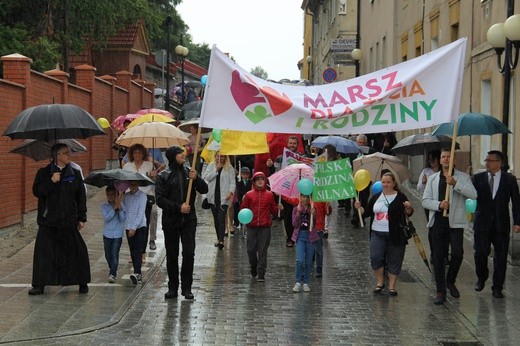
[{"x": 232, "y": 308}]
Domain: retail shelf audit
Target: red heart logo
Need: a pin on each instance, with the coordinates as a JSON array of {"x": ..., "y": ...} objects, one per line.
[{"x": 279, "y": 103}]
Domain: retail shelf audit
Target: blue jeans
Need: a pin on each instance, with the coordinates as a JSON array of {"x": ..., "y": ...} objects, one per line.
[
  {"x": 112, "y": 247},
  {"x": 318, "y": 253},
  {"x": 304, "y": 254}
]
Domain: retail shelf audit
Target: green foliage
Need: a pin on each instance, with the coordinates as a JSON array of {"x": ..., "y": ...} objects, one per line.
[
  {"x": 259, "y": 72},
  {"x": 48, "y": 30}
]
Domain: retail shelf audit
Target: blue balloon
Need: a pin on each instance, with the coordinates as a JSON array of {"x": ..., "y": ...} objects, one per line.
[
  {"x": 204, "y": 79},
  {"x": 471, "y": 205},
  {"x": 377, "y": 187},
  {"x": 305, "y": 187},
  {"x": 245, "y": 216}
]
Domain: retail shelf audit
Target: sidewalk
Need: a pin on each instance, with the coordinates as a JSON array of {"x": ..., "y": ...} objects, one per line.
[
  {"x": 62, "y": 310},
  {"x": 232, "y": 308}
]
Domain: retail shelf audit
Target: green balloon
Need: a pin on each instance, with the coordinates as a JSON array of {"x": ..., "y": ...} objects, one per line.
[{"x": 217, "y": 134}]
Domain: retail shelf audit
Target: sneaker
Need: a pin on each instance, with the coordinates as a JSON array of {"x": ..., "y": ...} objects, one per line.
[
  {"x": 297, "y": 287},
  {"x": 152, "y": 245},
  {"x": 136, "y": 279},
  {"x": 261, "y": 279},
  {"x": 111, "y": 279},
  {"x": 306, "y": 288},
  {"x": 319, "y": 274}
]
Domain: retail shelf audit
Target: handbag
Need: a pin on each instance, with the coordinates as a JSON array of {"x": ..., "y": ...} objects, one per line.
[
  {"x": 205, "y": 204},
  {"x": 408, "y": 229}
]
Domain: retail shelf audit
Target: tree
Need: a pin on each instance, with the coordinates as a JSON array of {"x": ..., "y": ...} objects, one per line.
[
  {"x": 259, "y": 72},
  {"x": 48, "y": 31}
]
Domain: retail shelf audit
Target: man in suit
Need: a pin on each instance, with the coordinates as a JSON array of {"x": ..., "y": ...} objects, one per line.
[
  {"x": 447, "y": 230},
  {"x": 492, "y": 220}
]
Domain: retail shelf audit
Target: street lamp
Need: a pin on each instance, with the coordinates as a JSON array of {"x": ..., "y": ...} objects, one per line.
[
  {"x": 504, "y": 37},
  {"x": 308, "y": 59},
  {"x": 168, "y": 26},
  {"x": 182, "y": 52},
  {"x": 356, "y": 54}
]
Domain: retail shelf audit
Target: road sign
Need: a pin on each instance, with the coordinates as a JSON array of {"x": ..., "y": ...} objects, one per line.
[
  {"x": 330, "y": 75},
  {"x": 343, "y": 44}
]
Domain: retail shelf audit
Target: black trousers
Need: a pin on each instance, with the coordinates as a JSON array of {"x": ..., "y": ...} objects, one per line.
[
  {"x": 442, "y": 238},
  {"x": 482, "y": 247},
  {"x": 186, "y": 234},
  {"x": 219, "y": 219},
  {"x": 287, "y": 220}
]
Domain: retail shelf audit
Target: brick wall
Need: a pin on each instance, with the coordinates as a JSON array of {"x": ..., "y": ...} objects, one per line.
[{"x": 22, "y": 88}]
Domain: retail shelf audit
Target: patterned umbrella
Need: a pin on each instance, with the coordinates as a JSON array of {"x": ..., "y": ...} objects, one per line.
[{"x": 285, "y": 181}]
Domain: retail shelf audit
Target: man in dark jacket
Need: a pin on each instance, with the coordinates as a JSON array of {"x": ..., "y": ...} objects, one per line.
[
  {"x": 179, "y": 220},
  {"x": 60, "y": 254},
  {"x": 495, "y": 188},
  {"x": 263, "y": 205}
]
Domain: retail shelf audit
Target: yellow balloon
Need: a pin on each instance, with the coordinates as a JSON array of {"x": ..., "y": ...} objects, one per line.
[
  {"x": 104, "y": 123},
  {"x": 361, "y": 179}
]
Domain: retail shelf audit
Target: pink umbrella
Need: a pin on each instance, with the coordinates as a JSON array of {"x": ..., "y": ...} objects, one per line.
[
  {"x": 155, "y": 111},
  {"x": 120, "y": 120},
  {"x": 285, "y": 181}
]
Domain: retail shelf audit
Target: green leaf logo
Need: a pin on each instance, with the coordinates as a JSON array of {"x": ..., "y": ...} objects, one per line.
[{"x": 259, "y": 114}]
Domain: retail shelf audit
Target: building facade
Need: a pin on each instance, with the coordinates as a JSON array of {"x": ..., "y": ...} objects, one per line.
[{"x": 398, "y": 30}]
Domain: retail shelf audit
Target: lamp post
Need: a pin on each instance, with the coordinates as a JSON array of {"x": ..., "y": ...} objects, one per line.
[
  {"x": 357, "y": 55},
  {"x": 168, "y": 26},
  {"x": 505, "y": 38},
  {"x": 182, "y": 52}
]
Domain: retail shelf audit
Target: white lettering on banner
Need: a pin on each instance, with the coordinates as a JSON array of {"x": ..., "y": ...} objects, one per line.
[{"x": 417, "y": 93}]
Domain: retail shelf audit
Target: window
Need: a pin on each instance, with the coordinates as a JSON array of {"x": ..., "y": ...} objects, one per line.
[
  {"x": 342, "y": 7},
  {"x": 485, "y": 107}
]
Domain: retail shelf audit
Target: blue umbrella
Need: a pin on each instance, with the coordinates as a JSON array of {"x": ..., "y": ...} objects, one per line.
[
  {"x": 342, "y": 145},
  {"x": 470, "y": 124}
]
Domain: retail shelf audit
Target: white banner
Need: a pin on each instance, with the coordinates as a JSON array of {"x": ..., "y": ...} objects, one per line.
[{"x": 418, "y": 93}]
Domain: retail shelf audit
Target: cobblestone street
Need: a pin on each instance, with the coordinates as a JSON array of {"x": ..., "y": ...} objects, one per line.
[{"x": 232, "y": 308}]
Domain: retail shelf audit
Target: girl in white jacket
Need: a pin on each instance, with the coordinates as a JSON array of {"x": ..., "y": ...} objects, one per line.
[{"x": 220, "y": 176}]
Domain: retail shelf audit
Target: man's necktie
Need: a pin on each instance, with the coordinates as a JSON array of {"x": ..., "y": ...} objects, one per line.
[{"x": 492, "y": 183}]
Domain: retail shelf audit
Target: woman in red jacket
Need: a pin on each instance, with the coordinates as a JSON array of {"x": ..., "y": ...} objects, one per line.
[{"x": 263, "y": 205}]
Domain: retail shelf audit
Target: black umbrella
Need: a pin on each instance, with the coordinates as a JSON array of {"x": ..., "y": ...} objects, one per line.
[
  {"x": 193, "y": 84},
  {"x": 191, "y": 110},
  {"x": 104, "y": 178},
  {"x": 421, "y": 144},
  {"x": 38, "y": 150},
  {"x": 53, "y": 121}
]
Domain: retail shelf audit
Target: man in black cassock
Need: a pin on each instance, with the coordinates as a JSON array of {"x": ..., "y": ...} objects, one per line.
[{"x": 60, "y": 254}]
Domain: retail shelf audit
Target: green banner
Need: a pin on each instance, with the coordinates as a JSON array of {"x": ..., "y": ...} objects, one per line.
[{"x": 333, "y": 181}]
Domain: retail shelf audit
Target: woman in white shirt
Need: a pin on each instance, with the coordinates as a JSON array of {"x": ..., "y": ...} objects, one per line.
[{"x": 139, "y": 162}]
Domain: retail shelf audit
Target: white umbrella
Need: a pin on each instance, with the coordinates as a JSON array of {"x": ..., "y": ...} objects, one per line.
[
  {"x": 153, "y": 135},
  {"x": 375, "y": 163}
]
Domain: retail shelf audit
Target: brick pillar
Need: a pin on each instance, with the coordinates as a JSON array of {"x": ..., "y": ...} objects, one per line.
[
  {"x": 124, "y": 79},
  {"x": 85, "y": 76},
  {"x": 141, "y": 91},
  {"x": 151, "y": 100},
  {"x": 64, "y": 78},
  {"x": 17, "y": 69}
]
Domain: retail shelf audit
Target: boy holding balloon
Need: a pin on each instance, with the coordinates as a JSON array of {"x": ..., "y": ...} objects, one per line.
[{"x": 257, "y": 209}]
